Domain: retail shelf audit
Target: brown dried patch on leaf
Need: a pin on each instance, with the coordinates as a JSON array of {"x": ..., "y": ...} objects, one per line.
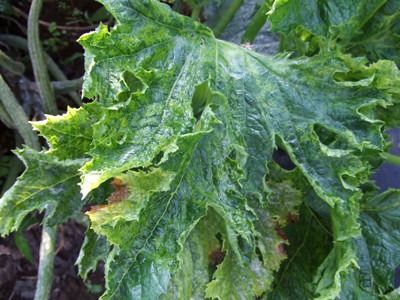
[
  {"x": 281, "y": 250},
  {"x": 216, "y": 256},
  {"x": 281, "y": 246},
  {"x": 121, "y": 191},
  {"x": 280, "y": 232}
]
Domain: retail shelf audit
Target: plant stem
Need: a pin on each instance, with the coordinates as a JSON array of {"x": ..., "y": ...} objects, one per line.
[
  {"x": 14, "y": 40},
  {"x": 196, "y": 12},
  {"x": 390, "y": 158},
  {"x": 37, "y": 58},
  {"x": 227, "y": 17},
  {"x": 67, "y": 86},
  {"x": 46, "y": 262},
  {"x": 256, "y": 23},
  {"x": 4, "y": 117},
  {"x": 54, "y": 69},
  {"x": 17, "y": 115},
  {"x": 11, "y": 65},
  {"x": 47, "y": 245}
]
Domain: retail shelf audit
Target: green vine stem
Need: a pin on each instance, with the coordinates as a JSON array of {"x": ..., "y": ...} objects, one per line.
[
  {"x": 37, "y": 58},
  {"x": 4, "y": 117},
  {"x": 46, "y": 262},
  {"x": 227, "y": 17},
  {"x": 390, "y": 158},
  {"x": 49, "y": 234},
  {"x": 62, "y": 87},
  {"x": 197, "y": 7},
  {"x": 11, "y": 65},
  {"x": 17, "y": 115},
  {"x": 196, "y": 12},
  {"x": 256, "y": 23}
]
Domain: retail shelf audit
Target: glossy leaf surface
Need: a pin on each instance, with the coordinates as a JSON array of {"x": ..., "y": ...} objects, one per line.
[
  {"x": 361, "y": 28},
  {"x": 185, "y": 127}
]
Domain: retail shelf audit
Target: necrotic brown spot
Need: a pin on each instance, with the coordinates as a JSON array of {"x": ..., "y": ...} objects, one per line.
[{"x": 121, "y": 191}]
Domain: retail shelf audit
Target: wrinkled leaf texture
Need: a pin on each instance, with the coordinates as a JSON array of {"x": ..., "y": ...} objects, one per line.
[
  {"x": 362, "y": 28},
  {"x": 188, "y": 125}
]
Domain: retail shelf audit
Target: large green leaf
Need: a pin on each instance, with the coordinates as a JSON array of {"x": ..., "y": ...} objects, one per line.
[
  {"x": 362, "y": 28},
  {"x": 291, "y": 88},
  {"x": 186, "y": 125},
  {"x": 183, "y": 70}
]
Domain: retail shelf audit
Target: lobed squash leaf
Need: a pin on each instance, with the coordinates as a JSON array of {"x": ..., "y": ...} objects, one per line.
[{"x": 186, "y": 127}]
